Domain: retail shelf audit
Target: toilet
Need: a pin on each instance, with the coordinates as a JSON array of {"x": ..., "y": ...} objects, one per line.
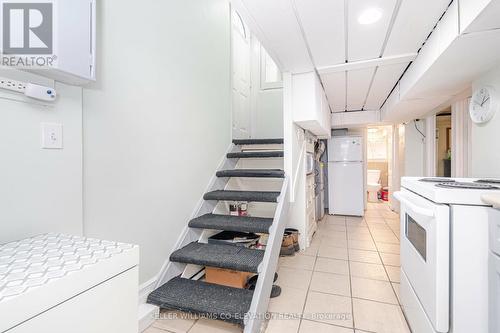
[{"x": 374, "y": 185}]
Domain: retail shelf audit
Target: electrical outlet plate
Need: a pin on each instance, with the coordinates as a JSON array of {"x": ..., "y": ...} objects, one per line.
[
  {"x": 12, "y": 85},
  {"x": 52, "y": 136}
]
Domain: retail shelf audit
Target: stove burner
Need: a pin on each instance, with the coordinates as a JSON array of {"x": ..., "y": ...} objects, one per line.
[
  {"x": 437, "y": 180},
  {"x": 470, "y": 186},
  {"x": 488, "y": 181}
]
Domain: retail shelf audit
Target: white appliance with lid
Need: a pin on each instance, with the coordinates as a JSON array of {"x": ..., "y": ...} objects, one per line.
[
  {"x": 346, "y": 176},
  {"x": 444, "y": 254},
  {"x": 59, "y": 283}
]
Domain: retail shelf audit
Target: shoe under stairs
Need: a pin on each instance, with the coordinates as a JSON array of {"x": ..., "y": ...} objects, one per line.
[{"x": 181, "y": 290}]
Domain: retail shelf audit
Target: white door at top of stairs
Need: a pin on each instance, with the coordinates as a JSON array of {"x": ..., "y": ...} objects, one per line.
[{"x": 240, "y": 55}]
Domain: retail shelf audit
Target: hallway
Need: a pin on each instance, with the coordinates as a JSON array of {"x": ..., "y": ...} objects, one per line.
[{"x": 348, "y": 278}]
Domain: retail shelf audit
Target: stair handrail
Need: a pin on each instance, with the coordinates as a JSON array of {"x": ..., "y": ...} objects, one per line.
[{"x": 260, "y": 301}]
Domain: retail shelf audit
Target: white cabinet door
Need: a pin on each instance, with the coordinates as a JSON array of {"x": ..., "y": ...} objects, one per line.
[
  {"x": 74, "y": 40},
  {"x": 75, "y": 49},
  {"x": 310, "y": 109}
]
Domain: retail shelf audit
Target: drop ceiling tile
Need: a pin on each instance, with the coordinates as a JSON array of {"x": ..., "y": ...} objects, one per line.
[
  {"x": 335, "y": 88},
  {"x": 358, "y": 83},
  {"x": 385, "y": 79},
  {"x": 277, "y": 22},
  {"x": 366, "y": 41},
  {"x": 415, "y": 21},
  {"x": 323, "y": 24}
]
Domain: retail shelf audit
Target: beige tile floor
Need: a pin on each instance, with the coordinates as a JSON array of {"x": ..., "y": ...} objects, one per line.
[{"x": 346, "y": 282}]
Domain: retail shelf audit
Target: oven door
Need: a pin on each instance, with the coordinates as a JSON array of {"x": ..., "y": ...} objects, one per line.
[{"x": 425, "y": 248}]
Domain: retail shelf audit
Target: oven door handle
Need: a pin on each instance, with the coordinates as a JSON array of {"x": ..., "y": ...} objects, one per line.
[{"x": 419, "y": 210}]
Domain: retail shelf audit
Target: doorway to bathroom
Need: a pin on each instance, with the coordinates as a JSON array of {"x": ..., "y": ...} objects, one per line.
[
  {"x": 443, "y": 143},
  {"x": 379, "y": 157}
]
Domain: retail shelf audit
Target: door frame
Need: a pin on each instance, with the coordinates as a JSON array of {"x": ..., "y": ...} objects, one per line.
[{"x": 461, "y": 143}]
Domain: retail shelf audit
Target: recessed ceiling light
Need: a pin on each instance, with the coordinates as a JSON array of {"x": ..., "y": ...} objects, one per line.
[{"x": 370, "y": 16}]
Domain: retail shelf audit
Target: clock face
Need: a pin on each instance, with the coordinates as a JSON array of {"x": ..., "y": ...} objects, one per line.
[{"x": 482, "y": 105}]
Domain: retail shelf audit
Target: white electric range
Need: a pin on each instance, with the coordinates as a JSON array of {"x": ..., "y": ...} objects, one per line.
[{"x": 444, "y": 253}]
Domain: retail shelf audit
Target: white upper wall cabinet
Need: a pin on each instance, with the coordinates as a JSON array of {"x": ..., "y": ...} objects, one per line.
[
  {"x": 74, "y": 42},
  {"x": 310, "y": 106}
]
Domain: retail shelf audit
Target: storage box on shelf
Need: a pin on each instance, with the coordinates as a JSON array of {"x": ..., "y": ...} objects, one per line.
[{"x": 227, "y": 277}]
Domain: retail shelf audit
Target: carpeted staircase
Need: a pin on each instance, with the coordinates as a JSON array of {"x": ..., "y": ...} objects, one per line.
[{"x": 222, "y": 302}]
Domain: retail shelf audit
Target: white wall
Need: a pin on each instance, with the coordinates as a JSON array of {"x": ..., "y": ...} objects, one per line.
[
  {"x": 157, "y": 123},
  {"x": 485, "y": 137},
  {"x": 269, "y": 114},
  {"x": 414, "y": 150},
  {"x": 266, "y": 104},
  {"x": 40, "y": 190}
]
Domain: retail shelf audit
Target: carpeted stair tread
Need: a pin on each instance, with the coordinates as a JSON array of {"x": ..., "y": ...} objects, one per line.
[
  {"x": 242, "y": 142},
  {"x": 198, "y": 297},
  {"x": 236, "y": 258},
  {"x": 250, "y": 196},
  {"x": 256, "y": 154},
  {"x": 252, "y": 173},
  {"x": 232, "y": 223}
]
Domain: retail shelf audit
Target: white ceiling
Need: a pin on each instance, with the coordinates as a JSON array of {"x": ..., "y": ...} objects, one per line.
[{"x": 358, "y": 64}]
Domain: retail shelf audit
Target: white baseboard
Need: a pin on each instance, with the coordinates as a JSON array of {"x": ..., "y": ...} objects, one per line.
[
  {"x": 146, "y": 288},
  {"x": 147, "y": 312}
]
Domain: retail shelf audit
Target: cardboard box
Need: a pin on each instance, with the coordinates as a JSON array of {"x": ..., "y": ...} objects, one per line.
[{"x": 227, "y": 277}]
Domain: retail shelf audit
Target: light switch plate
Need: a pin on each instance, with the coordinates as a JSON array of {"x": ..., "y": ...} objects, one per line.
[{"x": 52, "y": 136}]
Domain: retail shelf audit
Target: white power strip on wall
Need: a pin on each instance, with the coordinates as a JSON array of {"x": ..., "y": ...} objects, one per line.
[{"x": 31, "y": 90}]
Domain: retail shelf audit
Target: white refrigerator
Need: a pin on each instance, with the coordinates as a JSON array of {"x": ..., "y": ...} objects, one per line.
[{"x": 346, "y": 189}]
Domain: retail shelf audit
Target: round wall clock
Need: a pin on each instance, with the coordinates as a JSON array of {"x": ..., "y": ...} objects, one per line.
[{"x": 483, "y": 105}]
